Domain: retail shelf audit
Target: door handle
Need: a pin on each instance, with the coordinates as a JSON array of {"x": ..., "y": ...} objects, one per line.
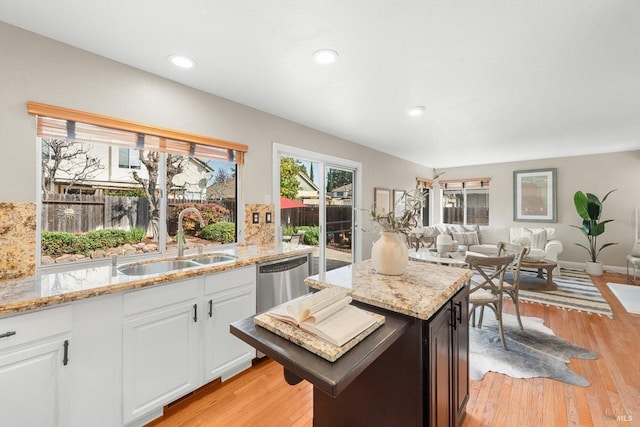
[
  {"x": 65, "y": 357},
  {"x": 459, "y": 310},
  {"x": 210, "y": 308},
  {"x": 195, "y": 312}
]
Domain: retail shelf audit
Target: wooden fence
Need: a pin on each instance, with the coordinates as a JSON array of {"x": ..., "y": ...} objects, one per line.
[
  {"x": 339, "y": 220},
  {"x": 79, "y": 213}
]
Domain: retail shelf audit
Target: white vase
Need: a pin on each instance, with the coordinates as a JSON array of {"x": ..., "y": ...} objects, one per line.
[
  {"x": 390, "y": 254},
  {"x": 593, "y": 268}
]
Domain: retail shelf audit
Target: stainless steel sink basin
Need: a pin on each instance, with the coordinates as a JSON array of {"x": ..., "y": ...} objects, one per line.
[
  {"x": 213, "y": 259},
  {"x": 156, "y": 267}
]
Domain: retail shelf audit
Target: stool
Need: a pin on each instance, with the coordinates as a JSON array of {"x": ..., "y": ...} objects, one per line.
[{"x": 633, "y": 261}]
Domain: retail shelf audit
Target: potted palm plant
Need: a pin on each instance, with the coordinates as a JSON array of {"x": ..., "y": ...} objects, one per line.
[{"x": 589, "y": 208}]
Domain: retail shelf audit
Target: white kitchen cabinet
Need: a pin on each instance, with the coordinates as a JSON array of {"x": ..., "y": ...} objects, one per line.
[
  {"x": 229, "y": 296},
  {"x": 161, "y": 347},
  {"x": 34, "y": 368},
  {"x": 96, "y": 383}
]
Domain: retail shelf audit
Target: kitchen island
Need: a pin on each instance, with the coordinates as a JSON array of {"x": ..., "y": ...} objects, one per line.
[{"x": 412, "y": 371}]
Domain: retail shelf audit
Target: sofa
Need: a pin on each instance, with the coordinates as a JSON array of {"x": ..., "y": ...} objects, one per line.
[{"x": 484, "y": 239}]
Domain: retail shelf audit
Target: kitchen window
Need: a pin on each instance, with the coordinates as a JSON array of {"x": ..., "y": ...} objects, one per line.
[
  {"x": 118, "y": 191},
  {"x": 465, "y": 201}
]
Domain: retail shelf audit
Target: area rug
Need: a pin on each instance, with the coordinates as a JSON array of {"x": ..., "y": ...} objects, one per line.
[
  {"x": 575, "y": 292},
  {"x": 534, "y": 352},
  {"x": 628, "y": 295}
]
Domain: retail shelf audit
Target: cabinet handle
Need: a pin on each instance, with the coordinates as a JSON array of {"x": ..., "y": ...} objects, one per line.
[
  {"x": 459, "y": 310},
  {"x": 210, "y": 308},
  {"x": 452, "y": 318},
  {"x": 65, "y": 357},
  {"x": 195, "y": 312},
  {"x": 7, "y": 334}
]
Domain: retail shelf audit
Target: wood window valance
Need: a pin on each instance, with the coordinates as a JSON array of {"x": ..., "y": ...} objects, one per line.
[
  {"x": 468, "y": 183},
  {"x": 64, "y": 123}
]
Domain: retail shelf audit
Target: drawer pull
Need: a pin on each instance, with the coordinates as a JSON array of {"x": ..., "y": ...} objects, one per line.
[{"x": 7, "y": 334}]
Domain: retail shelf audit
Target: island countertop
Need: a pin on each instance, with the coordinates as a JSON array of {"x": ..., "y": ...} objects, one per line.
[
  {"x": 57, "y": 287},
  {"x": 419, "y": 292}
]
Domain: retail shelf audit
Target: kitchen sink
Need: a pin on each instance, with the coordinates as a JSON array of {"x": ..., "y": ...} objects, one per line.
[
  {"x": 213, "y": 259},
  {"x": 156, "y": 267}
]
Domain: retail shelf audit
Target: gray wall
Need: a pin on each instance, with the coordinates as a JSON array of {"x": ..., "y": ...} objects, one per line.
[
  {"x": 39, "y": 69},
  {"x": 595, "y": 174}
]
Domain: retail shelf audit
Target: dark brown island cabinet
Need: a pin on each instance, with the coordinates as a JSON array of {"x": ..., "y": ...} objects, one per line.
[{"x": 409, "y": 372}]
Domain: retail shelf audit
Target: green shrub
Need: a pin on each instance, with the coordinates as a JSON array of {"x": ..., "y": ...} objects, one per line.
[
  {"x": 223, "y": 232},
  {"x": 287, "y": 230},
  {"x": 136, "y": 234},
  {"x": 310, "y": 234},
  {"x": 101, "y": 239},
  {"x": 57, "y": 243}
]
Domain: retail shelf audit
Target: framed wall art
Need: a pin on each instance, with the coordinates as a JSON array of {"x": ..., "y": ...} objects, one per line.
[
  {"x": 534, "y": 195},
  {"x": 382, "y": 200}
]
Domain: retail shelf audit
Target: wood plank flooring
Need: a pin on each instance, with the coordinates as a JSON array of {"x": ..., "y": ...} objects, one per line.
[{"x": 261, "y": 397}]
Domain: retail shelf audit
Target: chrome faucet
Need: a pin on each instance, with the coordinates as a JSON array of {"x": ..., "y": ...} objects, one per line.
[{"x": 181, "y": 228}]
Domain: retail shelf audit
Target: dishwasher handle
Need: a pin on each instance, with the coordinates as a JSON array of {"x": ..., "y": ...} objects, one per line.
[{"x": 283, "y": 266}]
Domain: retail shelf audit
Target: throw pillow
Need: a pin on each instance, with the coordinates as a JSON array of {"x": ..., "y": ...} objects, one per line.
[
  {"x": 538, "y": 237},
  {"x": 635, "y": 251},
  {"x": 466, "y": 238}
]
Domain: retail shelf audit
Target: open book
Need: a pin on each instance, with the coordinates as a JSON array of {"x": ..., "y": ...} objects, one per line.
[{"x": 327, "y": 314}]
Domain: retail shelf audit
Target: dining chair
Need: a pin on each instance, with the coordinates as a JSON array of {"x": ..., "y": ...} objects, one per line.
[
  {"x": 512, "y": 288},
  {"x": 488, "y": 292}
]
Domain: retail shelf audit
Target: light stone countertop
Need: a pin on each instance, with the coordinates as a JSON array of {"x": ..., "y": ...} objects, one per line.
[
  {"x": 50, "y": 288},
  {"x": 419, "y": 292}
]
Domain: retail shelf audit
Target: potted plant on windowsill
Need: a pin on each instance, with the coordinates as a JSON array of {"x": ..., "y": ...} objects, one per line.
[
  {"x": 389, "y": 254},
  {"x": 589, "y": 208}
]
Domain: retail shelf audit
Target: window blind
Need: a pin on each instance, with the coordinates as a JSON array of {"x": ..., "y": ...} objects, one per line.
[{"x": 63, "y": 123}]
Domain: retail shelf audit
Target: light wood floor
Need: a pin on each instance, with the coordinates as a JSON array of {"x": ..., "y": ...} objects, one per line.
[{"x": 260, "y": 396}]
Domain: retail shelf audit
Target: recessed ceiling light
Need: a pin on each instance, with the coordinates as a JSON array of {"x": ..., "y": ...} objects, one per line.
[
  {"x": 325, "y": 56},
  {"x": 182, "y": 61},
  {"x": 416, "y": 111}
]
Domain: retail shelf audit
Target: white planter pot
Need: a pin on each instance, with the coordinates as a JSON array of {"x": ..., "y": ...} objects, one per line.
[
  {"x": 390, "y": 254},
  {"x": 593, "y": 268}
]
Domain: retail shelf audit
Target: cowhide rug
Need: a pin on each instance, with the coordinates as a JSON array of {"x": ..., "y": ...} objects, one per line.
[{"x": 534, "y": 352}]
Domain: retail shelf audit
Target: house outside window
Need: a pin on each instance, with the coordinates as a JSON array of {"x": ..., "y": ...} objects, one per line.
[
  {"x": 465, "y": 201},
  {"x": 128, "y": 158}
]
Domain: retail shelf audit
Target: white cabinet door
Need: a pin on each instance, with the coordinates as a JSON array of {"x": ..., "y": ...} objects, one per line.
[
  {"x": 96, "y": 382},
  {"x": 160, "y": 347},
  {"x": 35, "y": 364},
  {"x": 33, "y": 387},
  {"x": 229, "y": 296}
]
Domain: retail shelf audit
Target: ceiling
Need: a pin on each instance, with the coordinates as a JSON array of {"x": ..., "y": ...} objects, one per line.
[{"x": 500, "y": 80}]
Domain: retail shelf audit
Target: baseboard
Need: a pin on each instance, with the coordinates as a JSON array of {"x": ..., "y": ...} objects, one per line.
[{"x": 580, "y": 266}]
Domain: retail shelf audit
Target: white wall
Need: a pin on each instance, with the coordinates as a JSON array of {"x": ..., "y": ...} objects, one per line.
[
  {"x": 39, "y": 69},
  {"x": 597, "y": 174}
]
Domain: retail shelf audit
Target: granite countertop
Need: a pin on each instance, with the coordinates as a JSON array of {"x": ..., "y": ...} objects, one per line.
[
  {"x": 50, "y": 288},
  {"x": 419, "y": 292}
]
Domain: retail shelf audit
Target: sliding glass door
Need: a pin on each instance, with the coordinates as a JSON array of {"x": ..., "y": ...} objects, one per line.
[{"x": 317, "y": 203}]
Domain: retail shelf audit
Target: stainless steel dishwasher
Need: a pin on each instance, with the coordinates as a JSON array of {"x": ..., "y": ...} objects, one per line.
[{"x": 282, "y": 280}]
